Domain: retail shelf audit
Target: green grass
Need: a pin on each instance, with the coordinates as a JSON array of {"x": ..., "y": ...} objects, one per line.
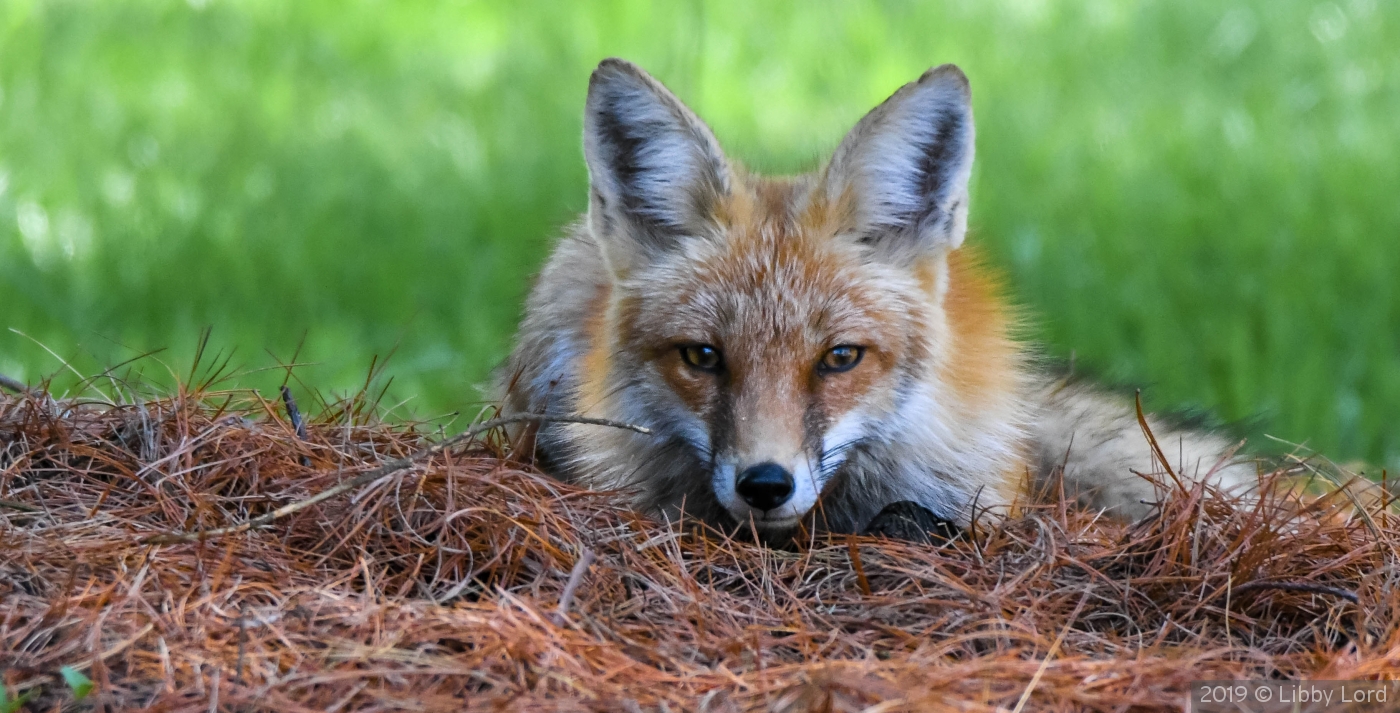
[{"x": 1202, "y": 199}]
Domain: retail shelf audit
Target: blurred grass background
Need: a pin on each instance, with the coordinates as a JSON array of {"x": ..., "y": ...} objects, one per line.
[{"x": 1198, "y": 196}]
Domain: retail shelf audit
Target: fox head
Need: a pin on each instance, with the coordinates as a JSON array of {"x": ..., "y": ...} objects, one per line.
[{"x": 774, "y": 326}]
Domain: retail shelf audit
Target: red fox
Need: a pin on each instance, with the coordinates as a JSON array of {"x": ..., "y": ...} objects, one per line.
[{"x": 813, "y": 350}]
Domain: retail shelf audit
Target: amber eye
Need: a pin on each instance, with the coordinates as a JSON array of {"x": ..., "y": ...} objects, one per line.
[
  {"x": 841, "y": 358},
  {"x": 701, "y": 356}
]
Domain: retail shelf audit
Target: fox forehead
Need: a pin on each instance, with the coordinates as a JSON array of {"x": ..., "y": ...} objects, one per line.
[{"x": 772, "y": 264}]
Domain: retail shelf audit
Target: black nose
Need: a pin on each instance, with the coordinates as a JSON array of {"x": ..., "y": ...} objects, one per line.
[{"x": 765, "y": 486}]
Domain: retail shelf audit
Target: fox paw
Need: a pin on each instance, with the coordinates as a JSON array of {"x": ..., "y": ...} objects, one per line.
[{"x": 910, "y": 521}]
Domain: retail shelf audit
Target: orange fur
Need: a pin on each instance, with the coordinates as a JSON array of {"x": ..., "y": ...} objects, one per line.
[
  {"x": 984, "y": 358},
  {"x": 597, "y": 362}
]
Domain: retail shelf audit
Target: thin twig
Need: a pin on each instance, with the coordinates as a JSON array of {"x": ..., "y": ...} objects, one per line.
[
  {"x": 298, "y": 423},
  {"x": 14, "y": 385},
  {"x": 389, "y": 468},
  {"x": 18, "y": 506},
  {"x": 293, "y": 413},
  {"x": 575, "y": 579}
]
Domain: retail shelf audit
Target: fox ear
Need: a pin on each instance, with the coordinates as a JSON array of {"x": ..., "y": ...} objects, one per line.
[
  {"x": 655, "y": 169},
  {"x": 905, "y": 167}
]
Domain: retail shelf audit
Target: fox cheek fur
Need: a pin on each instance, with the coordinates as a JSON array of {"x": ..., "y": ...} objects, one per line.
[{"x": 702, "y": 302}]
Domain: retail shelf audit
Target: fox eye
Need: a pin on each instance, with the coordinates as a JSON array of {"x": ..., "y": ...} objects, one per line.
[
  {"x": 841, "y": 358},
  {"x": 701, "y": 356}
]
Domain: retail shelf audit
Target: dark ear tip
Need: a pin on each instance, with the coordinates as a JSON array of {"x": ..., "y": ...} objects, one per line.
[
  {"x": 948, "y": 75},
  {"x": 614, "y": 68}
]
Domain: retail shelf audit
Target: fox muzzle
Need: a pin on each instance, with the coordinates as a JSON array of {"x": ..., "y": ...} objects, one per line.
[{"x": 765, "y": 486}]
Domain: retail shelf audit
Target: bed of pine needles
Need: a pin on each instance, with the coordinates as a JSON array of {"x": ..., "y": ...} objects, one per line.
[{"x": 466, "y": 580}]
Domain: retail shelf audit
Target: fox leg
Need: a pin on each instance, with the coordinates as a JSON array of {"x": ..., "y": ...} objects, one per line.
[{"x": 908, "y": 520}]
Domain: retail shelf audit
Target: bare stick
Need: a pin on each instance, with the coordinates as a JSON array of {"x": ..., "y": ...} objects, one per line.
[
  {"x": 293, "y": 413},
  {"x": 575, "y": 578},
  {"x": 13, "y": 385},
  {"x": 298, "y": 424},
  {"x": 18, "y": 506},
  {"x": 389, "y": 468}
]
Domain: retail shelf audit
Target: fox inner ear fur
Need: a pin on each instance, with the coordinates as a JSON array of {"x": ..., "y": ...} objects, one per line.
[
  {"x": 905, "y": 166},
  {"x": 655, "y": 169}
]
